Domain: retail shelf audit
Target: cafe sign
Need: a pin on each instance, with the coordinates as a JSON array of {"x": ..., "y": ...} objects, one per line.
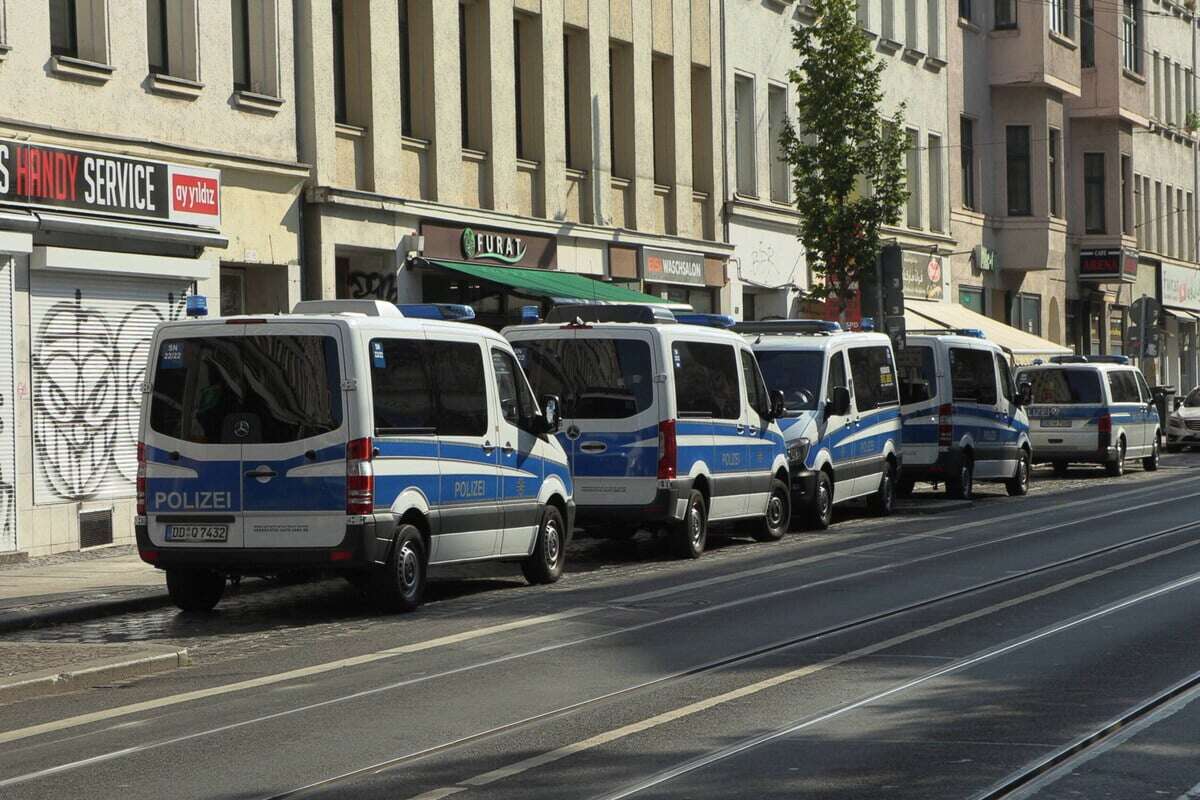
[
  {"x": 44, "y": 176},
  {"x": 488, "y": 246},
  {"x": 672, "y": 266},
  {"x": 1108, "y": 265},
  {"x": 1181, "y": 287}
]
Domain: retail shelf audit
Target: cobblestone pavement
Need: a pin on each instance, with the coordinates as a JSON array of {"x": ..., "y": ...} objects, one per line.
[{"x": 250, "y": 621}]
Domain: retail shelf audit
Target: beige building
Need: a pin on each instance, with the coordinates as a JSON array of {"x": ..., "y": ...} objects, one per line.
[
  {"x": 147, "y": 152},
  {"x": 501, "y": 153}
]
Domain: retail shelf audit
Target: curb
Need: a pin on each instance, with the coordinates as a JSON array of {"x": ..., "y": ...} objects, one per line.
[
  {"x": 29, "y": 620},
  {"x": 88, "y": 674}
]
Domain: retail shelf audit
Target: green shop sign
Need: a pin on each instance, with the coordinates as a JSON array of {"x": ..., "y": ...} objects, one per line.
[{"x": 484, "y": 246}]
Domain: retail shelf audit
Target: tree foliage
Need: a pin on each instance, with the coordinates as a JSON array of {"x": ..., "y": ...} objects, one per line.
[{"x": 846, "y": 159}]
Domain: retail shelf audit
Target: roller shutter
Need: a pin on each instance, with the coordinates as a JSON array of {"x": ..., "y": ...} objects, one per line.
[
  {"x": 90, "y": 341},
  {"x": 8, "y": 417}
]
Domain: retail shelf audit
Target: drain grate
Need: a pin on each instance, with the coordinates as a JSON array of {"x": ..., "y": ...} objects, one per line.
[{"x": 95, "y": 528}]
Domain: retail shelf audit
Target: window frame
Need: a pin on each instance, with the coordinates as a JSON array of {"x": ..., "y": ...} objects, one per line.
[
  {"x": 1053, "y": 160},
  {"x": 912, "y": 180},
  {"x": 1013, "y": 161},
  {"x": 1004, "y": 15},
  {"x": 1093, "y": 182},
  {"x": 966, "y": 149},
  {"x": 71, "y": 18},
  {"x": 745, "y": 144},
  {"x": 243, "y": 46},
  {"x": 164, "y": 39}
]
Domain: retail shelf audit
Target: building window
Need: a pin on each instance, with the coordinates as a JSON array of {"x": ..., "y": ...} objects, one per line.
[
  {"x": 406, "y": 92},
  {"x": 743, "y": 131},
  {"x": 964, "y": 10},
  {"x": 1157, "y": 86},
  {"x": 253, "y": 47},
  {"x": 863, "y": 14},
  {"x": 1060, "y": 17},
  {"x": 621, "y": 131},
  {"x": 972, "y": 297},
  {"x": 887, "y": 20},
  {"x": 340, "y": 113},
  {"x": 171, "y": 38},
  {"x": 1053, "y": 158},
  {"x": 1181, "y": 226},
  {"x": 1131, "y": 35},
  {"x": 156, "y": 37},
  {"x": 777, "y": 113},
  {"x": 64, "y": 28},
  {"x": 1180, "y": 119},
  {"x": 1093, "y": 193},
  {"x": 912, "y": 28},
  {"x": 1158, "y": 218},
  {"x": 662, "y": 82},
  {"x": 1087, "y": 33},
  {"x": 241, "y": 44},
  {"x": 1025, "y": 312},
  {"x": 933, "y": 20},
  {"x": 1169, "y": 247},
  {"x": 518, "y": 90},
  {"x": 1145, "y": 226},
  {"x": 912, "y": 178},
  {"x": 1116, "y": 331},
  {"x": 463, "y": 81},
  {"x": 1126, "y": 195},
  {"x": 1191, "y": 227},
  {"x": 1017, "y": 170},
  {"x": 936, "y": 191},
  {"x": 1006, "y": 14},
  {"x": 966, "y": 146}
]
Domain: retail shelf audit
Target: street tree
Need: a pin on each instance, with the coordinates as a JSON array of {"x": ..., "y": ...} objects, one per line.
[{"x": 845, "y": 157}]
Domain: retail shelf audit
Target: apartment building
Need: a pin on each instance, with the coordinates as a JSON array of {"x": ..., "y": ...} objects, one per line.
[
  {"x": 147, "y": 152},
  {"x": 502, "y": 153}
]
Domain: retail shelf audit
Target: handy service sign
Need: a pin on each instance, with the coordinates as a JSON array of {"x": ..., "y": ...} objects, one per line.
[{"x": 56, "y": 177}]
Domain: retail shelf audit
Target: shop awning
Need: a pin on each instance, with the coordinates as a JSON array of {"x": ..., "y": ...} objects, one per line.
[
  {"x": 550, "y": 283},
  {"x": 1024, "y": 346},
  {"x": 1184, "y": 314}
]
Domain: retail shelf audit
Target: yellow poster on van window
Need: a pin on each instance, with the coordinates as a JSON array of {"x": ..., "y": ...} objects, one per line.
[{"x": 885, "y": 376}]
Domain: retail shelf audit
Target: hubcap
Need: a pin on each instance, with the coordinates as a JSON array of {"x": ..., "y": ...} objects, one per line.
[
  {"x": 553, "y": 543},
  {"x": 775, "y": 511},
  {"x": 410, "y": 569},
  {"x": 823, "y": 499},
  {"x": 966, "y": 482},
  {"x": 695, "y": 526}
]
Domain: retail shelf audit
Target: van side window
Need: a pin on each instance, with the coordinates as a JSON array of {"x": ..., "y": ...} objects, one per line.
[
  {"x": 756, "y": 389},
  {"x": 402, "y": 390},
  {"x": 706, "y": 380},
  {"x": 837, "y": 375},
  {"x": 1123, "y": 387},
  {"x": 973, "y": 375},
  {"x": 516, "y": 400},
  {"x": 874, "y": 377},
  {"x": 1006, "y": 381},
  {"x": 461, "y": 389},
  {"x": 1147, "y": 395}
]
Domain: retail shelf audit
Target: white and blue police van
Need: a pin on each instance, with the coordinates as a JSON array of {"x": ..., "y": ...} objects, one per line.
[
  {"x": 348, "y": 436},
  {"x": 841, "y": 414},
  {"x": 1092, "y": 410},
  {"x": 667, "y": 426},
  {"x": 964, "y": 417}
]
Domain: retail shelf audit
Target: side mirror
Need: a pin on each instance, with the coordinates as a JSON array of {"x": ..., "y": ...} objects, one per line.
[
  {"x": 777, "y": 404},
  {"x": 839, "y": 404},
  {"x": 551, "y": 418},
  {"x": 1024, "y": 393}
]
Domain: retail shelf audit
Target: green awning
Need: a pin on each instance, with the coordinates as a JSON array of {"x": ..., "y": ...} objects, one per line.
[{"x": 551, "y": 283}]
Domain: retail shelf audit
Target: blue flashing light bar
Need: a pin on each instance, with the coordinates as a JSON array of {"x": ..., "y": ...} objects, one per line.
[
  {"x": 530, "y": 315},
  {"x": 708, "y": 320},
  {"x": 453, "y": 312},
  {"x": 197, "y": 306}
]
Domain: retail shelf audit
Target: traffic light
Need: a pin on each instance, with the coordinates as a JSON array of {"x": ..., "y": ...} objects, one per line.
[{"x": 891, "y": 270}]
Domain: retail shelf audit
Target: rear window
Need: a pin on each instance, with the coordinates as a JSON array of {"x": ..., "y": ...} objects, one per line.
[
  {"x": 251, "y": 389},
  {"x": 1063, "y": 386},
  {"x": 916, "y": 368},
  {"x": 594, "y": 378},
  {"x": 706, "y": 380},
  {"x": 796, "y": 373}
]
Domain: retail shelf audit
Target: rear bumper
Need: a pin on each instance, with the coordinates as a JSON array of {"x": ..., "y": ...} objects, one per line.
[
  {"x": 947, "y": 462},
  {"x": 663, "y": 508},
  {"x": 1086, "y": 455}
]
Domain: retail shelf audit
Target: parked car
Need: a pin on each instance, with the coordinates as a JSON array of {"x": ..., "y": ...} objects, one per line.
[
  {"x": 1183, "y": 426},
  {"x": 841, "y": 412},
  {"x": 1095, "y": 410},
  {"x": 963, "y": 415},
  {"x": 666, "y": 425},
  {"x": 344, "y": 436}
]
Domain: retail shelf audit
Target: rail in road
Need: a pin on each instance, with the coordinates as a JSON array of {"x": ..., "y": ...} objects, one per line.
[{"x": 679, "y": 678}]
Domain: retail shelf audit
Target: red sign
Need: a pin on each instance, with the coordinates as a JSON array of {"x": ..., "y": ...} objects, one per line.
[{"x": 193, "y": 194}]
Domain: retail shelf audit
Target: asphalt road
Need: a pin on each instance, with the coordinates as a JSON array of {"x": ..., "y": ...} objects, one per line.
[{"x": 945, "y": 652}]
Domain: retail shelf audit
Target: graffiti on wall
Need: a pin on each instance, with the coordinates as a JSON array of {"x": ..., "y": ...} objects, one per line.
[
  {"x": 8, "y": 492},
  {"x": 372, "y": 285},
  {"x": 89, "y": 364}
]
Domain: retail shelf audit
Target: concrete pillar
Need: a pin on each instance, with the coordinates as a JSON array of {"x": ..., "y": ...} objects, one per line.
[
  {"x": 320, "y": 265},
  {"x": 601, "y": 172},
  {"x": 385, "y": 94},
  {"x": 681, "y": 195},
  {"x": 446, "y": 146},
  {"x": 314, "y": 61},
  {"x": 718, "y": 75},
  {"x": 501, "y": 97},
  {"x": 643, "y": 122},
  {"x": 553, "y": 176}
]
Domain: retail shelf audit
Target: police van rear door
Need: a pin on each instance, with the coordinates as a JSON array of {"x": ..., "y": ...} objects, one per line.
[{"x": 190, "y": 454}]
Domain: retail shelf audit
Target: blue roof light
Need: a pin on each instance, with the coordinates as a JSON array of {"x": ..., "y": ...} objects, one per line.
[
  {"x": 709, "y": 320},
  {"x": 444, "y": 311},
  {"x": 197, "y": 306}
]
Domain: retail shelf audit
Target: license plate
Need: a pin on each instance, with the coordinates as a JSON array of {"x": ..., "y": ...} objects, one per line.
[
  {"x": 1056, "y": 423},
  {"x": 197, "y": 533}
]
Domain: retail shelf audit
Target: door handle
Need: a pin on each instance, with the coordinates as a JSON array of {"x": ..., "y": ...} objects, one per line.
[
  {"x": 261, "y": 473},
  {"x": 508, "y": 448},
  {"x": 741, "y": 429},
  {"x": 488, "y": 447}
]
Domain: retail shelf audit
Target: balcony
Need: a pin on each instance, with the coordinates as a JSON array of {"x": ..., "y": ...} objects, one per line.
[
  {"x": 1031, "y": 244},
  {"x": 1031, "y": 54},
  {"x": 1116, "y": 86}
]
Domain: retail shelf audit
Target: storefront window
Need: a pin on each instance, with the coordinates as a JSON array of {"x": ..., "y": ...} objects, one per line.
[
  {"x": 971, "y": 297},
  {"x": 1025, "y": 312},
  {"x": 1116, "y": 331},
  {"x": 702, "y": 300},
  {"x": 1095, "y": 329}
]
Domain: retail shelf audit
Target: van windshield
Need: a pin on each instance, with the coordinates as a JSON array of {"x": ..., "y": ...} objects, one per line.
[
  {"x": 251, "y": 389},
  {"x": 594, "y": 378},
  {"x": 796, "y": 373},
  {"x": 1063, "y": 386}
]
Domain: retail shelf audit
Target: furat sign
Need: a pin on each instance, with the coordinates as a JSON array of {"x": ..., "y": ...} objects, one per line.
[
  {"x": 492, "y": 247},
  {"x": 57, "y": 177},
  {"x": 1181, "y": 287}
]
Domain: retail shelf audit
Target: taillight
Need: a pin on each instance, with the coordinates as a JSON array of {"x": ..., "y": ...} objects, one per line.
[
  {"x": 141, "y": 479},
  {"x": 668, "y": 450},
  {"x": 945, "y": 425},
  {"x": 360, "y": 477},
  {"x": 1105, "y": 426}
]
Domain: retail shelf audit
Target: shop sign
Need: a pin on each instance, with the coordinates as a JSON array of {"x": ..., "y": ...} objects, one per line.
[
  {"x": 672, "y": 266},
  {"x": 923, "y": 276},
  {"x": 1181, "y": 287},
  {"x": 488, "y": 246},
  {"x": 1108, "y": 265},
  {"x": 984, "y": 258},
  {"x": 44, "y": 176}
]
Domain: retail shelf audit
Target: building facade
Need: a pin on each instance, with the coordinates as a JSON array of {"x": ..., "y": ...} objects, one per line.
[
  {"x": 147, "y": 152},
  {"x": 461, "y": 149}
]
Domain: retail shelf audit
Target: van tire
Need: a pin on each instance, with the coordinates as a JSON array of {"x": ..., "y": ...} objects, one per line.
[
  {"x": 1018, "y": 484},
  {"x": 1116, "y": 467},
  {"x": 1150, "y": 462},
  {"x": 689, "y": 534},
  {"x": 196, "y": 591},
  {"x": 778, "y": 516},
  {"x": 820, "y": 509},
  {"x": 883, "y": 502},
  {"x": 962, "y": 485},
  {"x": 399, "y": 585},
  {"x": 545, "y": 563}
]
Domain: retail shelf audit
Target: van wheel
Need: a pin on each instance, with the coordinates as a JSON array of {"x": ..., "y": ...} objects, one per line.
[
  {"x": 400, "y": 584},
  {"x": 820, "y": 510},
  {"x": 905, "y": 487},
  {"x": 962, "y": 486},
  {"x": 196, "y": 591},
  {"x": 689, "y": 535},
  {"x": 545, "y": 563},
  {"x": 1116, "y": 468},
  {"x": 778, "y": 516},
  {"x": 1060, "y": 469},
  {"x": 883, "y": 502},
  {"x": 1150, "y": 462},
  {"x": 1018, "y": 484}
]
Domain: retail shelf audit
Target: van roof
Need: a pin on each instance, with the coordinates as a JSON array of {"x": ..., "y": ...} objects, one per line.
[
  {"x": 1093, "y": 365},
  {"x": 951, "y": 338},
  {"x": 674, "y": 330},
  {"x": 357, "y": 322},
  {"x": 800, "y": 341}
]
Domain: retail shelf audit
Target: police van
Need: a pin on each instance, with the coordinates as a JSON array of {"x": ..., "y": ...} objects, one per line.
[
  {"x": 964, "y": 417},
  {"x": 1092, "y": 409},
  {"x": 344, "y": 436},
  {"x": 841, "y": 414},
  {"x": 666, "y": 425}
]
